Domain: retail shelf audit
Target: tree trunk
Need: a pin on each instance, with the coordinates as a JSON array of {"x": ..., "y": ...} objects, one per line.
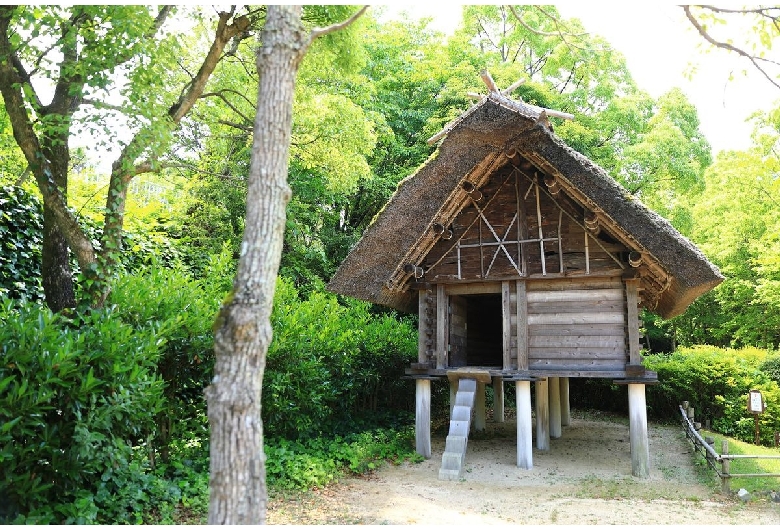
[
  {"x": 243, "y": 328},
  {"x": 56, "y": 273}
]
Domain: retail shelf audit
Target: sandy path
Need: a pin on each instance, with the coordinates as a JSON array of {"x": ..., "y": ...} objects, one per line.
[{"x": 585, "y": 478}]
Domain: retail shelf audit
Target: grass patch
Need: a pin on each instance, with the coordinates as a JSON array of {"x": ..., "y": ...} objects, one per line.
[{"x": 749, "y": 465}]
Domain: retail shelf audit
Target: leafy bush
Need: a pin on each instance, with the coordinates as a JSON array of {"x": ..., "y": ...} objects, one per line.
[
  {"x": 328, "y": 363},
  {"x": 318, "y": 461},
  {"x": 771, "y": 367},
  {"x": 180, "y": 310},
  {"x": 76, "y": 394},
  {"x": 21, "y": 234},
  {"x": 716, "y": 382},
  {"x": 21, "y": 229}
]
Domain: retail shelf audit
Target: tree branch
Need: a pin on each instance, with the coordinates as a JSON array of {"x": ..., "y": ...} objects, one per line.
[
  {"x": 319, "y": 32},
  {"x": 24, "y": 176},
  {"x": 102, "y": 105},
  {"x": 560, "y": 33},
  {"x": 487, "y": 35},
  {"x": 221, "y": 95},
  {"x": 726, "y": 46},
  {"x": 240, "y": 127},
  {"x": 224, "y": 33}
]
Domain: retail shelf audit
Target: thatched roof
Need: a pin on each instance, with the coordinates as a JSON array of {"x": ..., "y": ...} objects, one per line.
[{"x": 477, "y": 142}]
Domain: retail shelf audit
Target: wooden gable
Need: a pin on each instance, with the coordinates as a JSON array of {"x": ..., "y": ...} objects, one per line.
[{"x": 516, "y": 225}]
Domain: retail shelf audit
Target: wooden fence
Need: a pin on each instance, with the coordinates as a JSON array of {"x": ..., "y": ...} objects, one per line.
[{"x": 721, "y": 463}]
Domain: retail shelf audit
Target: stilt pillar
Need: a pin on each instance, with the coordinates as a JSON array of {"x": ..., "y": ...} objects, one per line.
[
  {"x": 422, "y": 426},
  {"x": 498, "y": 399},
  {"x": 565, "y": 410},
  {"x": 524, "y": 425},
  {"x": 479, "y": 408},
  {"x": 554, "y": 388},
  {"x": 542, "y": 416},
  {"x": 637, "y": 414}
]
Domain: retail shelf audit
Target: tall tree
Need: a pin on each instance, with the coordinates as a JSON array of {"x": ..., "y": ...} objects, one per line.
[
  {"x": 86, "y": 53},
  {"x": 332, "y": 137},
  {"x": 243, "y": 328}
]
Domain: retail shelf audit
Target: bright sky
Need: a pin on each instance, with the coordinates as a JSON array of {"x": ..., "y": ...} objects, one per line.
[{"x": 661, "y": 48}]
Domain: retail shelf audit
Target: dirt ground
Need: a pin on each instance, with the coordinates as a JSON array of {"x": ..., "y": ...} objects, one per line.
[{"x": 584, "y": 479}]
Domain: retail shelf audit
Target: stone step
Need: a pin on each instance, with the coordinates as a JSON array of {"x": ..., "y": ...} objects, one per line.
[
  {"x": 461, "y": 413},
  {"x": 459, "y": 428},
  {"x": 451, "y": 461},
  {"x": 464, "y": 399},
  {"x": 456, "y": 444},
  {"x": 454, "y": 456}
]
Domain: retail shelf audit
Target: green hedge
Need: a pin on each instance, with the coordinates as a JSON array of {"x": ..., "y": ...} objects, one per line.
[
  {"x": 716, "y": 382},
  {"x": 76, "y": 394},
  {"x": 329, "y": 363},
  {"x": 92, "y": 404},
  {"x": 180, "y": 310}
]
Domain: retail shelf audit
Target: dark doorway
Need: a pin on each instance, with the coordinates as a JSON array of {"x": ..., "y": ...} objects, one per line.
[{"x": 484, "y": 342}]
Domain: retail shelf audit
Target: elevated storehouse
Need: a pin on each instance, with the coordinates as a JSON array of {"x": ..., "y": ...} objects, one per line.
[{"x": 526, "y": 263}]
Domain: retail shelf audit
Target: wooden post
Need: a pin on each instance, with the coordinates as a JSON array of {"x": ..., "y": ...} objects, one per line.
[
  {"x": 725, "y": 481},
  {"x": 498, "y": 399},
  {"x": 554, "y": 388},
  {"x": 506, "y": 313},
  {"x": 632, "y": 321},
  {"x": 640, "y": 447},
  {"x": 524, "y": 425},
  {"x": 479, "y": 408},
  {"x": 565, "y": 409},
  {"x": 422, "y": 426},
  {"x": 542, "y": 416},
  {"x": 522, "y": 325},
  {"x": 442, "y": 327},
  {"x": 424, "y": 332}
]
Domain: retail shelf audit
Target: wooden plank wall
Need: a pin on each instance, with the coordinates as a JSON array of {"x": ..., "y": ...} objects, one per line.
[{"x": 577, "y": 324}]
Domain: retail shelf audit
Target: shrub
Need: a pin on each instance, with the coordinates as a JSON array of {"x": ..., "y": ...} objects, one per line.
[
  {"x": 76, "y": 394},
  {"x": 180, "y": 311},
  {"x": 318, "y": 461},
  {"x": 21, "y": 228},
  {"x": 328, "y": 363},
  {"x": 771, "y": 367},
  {"x": 716, "y": 382}
]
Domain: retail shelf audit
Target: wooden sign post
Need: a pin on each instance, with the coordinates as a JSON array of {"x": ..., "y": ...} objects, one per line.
[{"x": 756, "y": 406}]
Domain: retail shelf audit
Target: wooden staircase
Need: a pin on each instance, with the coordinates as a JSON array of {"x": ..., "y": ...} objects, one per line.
[{"x": 454, "y": 456}]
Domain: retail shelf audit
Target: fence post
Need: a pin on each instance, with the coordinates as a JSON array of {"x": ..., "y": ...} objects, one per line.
[{"x": 726, "y": 465}]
